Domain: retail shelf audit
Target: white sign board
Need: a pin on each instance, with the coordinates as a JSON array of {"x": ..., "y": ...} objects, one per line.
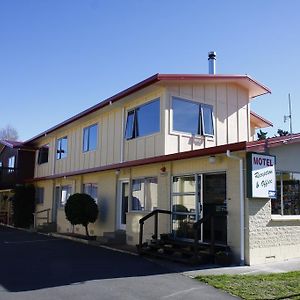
[{"x": 262, "y": 177}]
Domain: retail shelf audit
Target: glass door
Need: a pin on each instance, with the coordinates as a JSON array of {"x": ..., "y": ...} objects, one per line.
[
  {"x": 123, "y": 203},
  {"x": 215, "y": 202},
  {"x": 186, "y": 205}
]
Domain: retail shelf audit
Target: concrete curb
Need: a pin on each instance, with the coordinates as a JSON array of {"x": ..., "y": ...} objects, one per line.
[{"x": 91, "y": 243}]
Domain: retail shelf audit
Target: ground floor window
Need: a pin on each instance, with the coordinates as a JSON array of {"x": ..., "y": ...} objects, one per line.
[
  {"x": 288, "y": 194},
  {"x": 63, "y": 193},
  {"x": 39, "y": 195},
  {"x": 144, "y": 194},
  {"x": 92, "y": 190}
]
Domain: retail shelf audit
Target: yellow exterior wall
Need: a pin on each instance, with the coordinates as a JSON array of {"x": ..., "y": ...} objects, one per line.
[{"x": 231, "y": 111}]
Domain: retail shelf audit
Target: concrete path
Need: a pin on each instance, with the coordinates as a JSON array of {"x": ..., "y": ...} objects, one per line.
[
  {"x": 34, "y": 267},
  {"x": 275, "y": 267}
]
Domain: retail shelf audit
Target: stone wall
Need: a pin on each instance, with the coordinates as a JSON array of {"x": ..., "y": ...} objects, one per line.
[{"x": 271, "y": 238}]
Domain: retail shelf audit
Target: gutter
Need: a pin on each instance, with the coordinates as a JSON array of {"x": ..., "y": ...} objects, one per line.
[{"x": 242, "y": 207}]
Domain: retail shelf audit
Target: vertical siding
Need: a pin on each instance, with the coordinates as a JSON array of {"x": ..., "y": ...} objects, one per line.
[
  {"x": 232, "y": 105},
  {"x": 221, "y": 115},
  {"x": 230, "y": 108}
]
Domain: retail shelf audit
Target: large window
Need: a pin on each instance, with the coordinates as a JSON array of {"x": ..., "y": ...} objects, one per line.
[
  {"x": 144, "y": 194},
  {"x": 92, "y": 190},
  {"x": 62, "y": 148},
  {"x": 90, "y": 138},
  {"x": 43, "y": 154},
  {"x": 192, "y": 117},
  {"x": 288, "y": 194},
  {"x": 143, "y": 120},
  {"x": 11, "y": 164}
]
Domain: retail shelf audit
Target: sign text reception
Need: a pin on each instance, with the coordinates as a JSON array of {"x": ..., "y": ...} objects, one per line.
[{"x": 261, "y": 176}]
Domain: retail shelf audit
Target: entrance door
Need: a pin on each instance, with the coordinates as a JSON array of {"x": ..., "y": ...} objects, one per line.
[
  {"x": 123, "y": 203},
  {"x": 55, "y": 202},
  {"x": 194, "y": 197},
  {"x": 215, "y": 202},
  {"x": 186, "y": 206}
]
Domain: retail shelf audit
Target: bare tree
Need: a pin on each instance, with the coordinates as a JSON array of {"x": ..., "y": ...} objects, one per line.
[{"x": 8, "y": 133}]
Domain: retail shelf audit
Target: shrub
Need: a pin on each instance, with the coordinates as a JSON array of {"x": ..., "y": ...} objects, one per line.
[
  {"x": 23, "y": 204},
  {"x": 81, "y": 209}
]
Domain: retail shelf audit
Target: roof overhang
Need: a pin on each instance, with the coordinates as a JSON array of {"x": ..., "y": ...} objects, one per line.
[
  {"x": 258, "y": 121},
  {"x": 254, "y": 88}
]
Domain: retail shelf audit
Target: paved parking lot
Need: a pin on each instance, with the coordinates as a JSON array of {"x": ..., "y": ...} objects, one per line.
[{"x": 35, "y": 266}]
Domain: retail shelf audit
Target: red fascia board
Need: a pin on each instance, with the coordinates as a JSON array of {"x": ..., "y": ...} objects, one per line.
[
  {"x": 127, "y": 92},
  {"x": 145, "y": 83},
  {"x": 273, "y": 142},
  {"x": 157, "y": 159},
  {"x": 261, "y": 118}
]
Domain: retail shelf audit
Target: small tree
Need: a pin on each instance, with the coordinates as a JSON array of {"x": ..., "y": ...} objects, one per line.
[
  {"x": 261, "y": 135},
  {"x": 282, "y": 132},
  {"x": 81, "y": 209},
  {"x": 8, "y": 133}
]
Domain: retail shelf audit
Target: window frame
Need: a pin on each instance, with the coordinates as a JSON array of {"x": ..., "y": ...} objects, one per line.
[
  {"x": 67, "y": 187},
  {"x": 11, "y": 163},
  {"x": 282, "y": 213},
  {"x": 59, "y": 150},
  {"x": 200, "y": 120},
  {"x": 135, "y": 126},
  {"x": 40, "y": 154},
  {"x": 91, "y": 185},
  {"x": 88, "y": 146},
  {"x": 39, "y": 195},
  {"x": 145, "y": 201}
]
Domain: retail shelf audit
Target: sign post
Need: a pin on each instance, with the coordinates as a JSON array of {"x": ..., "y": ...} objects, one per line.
[{"x": 261, "y": 175}]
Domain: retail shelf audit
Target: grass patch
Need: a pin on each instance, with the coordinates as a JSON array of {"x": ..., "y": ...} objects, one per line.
[{"x": 265, "y": 286}]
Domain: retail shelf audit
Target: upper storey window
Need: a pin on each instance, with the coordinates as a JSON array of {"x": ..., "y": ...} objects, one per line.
[
  {"x": 192, "y": 117},
  {"x": 62, "y": 148},
  {"x": 90, "y": 138},
  {"x": 143, "y": 120},
  {"x": 43, "y": 154}
]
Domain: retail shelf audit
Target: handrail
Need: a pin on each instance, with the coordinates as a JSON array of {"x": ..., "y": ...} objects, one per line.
[
  {"x": 142, "y": 221},
  {"x": 44, "y": 218}
]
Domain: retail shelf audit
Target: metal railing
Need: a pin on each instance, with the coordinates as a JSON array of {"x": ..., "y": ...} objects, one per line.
[
  {"x": 36, "y": 217},
  {"x": 154, "y": 213}
]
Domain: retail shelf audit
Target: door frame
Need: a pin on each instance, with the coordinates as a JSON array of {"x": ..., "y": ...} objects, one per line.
[
  {"x": 199, "y": 196},
  {"x": 119, "y": 224}
]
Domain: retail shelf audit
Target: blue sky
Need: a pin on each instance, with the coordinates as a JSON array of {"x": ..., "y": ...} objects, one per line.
[{"x": 59, "y": 57}]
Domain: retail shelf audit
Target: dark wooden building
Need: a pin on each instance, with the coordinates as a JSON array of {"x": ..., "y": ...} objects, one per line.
[{"x": 16, "y": 166}]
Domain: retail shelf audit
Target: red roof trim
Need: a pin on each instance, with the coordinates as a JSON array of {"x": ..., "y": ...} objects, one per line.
[
  {"x": 145, "y": 83},
  {"x": 157, "y": 159},
  {"x": 273, "y": 142}
]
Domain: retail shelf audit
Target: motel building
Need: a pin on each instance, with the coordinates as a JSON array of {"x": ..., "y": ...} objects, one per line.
[{"x": 178, "y": 152}]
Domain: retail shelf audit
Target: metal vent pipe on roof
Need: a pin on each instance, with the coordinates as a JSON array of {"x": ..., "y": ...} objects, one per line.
[{"x": 212, "y": 56}]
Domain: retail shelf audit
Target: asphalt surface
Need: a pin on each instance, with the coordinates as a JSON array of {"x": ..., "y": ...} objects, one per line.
[{"x": 34, "y": 267}]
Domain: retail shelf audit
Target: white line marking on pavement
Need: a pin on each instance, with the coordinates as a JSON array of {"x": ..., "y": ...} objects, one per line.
[
  {"x": 180, "y": 292},
  {"x": 25, "y": 242}
]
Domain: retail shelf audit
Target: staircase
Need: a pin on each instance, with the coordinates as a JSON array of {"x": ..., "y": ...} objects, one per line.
[
  {"x": 193, "y": 252},
  {"x": 186, "y": 252},
  {"x": 47, "y": 227},
  {"x": 113, "y": 238}
]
